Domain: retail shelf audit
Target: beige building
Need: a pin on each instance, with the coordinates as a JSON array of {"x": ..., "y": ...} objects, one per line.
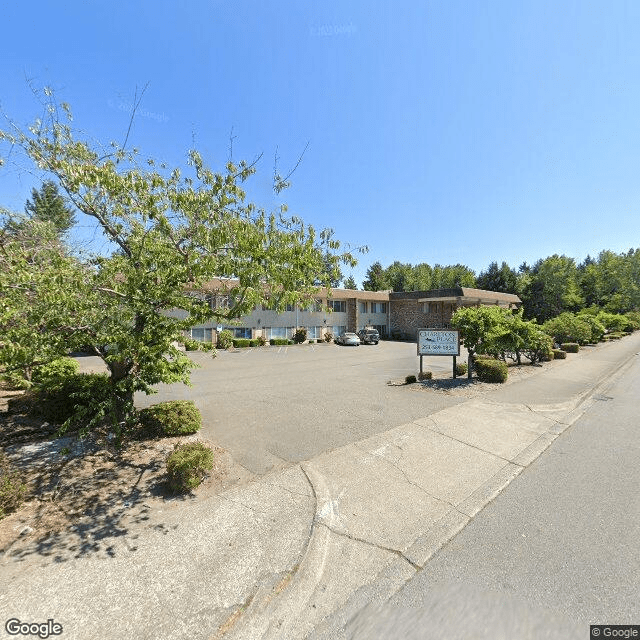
[{"x": 393, "y": 314}]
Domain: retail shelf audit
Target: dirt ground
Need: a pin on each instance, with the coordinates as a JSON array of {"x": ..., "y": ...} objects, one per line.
[{"x": 81, "y": 495}]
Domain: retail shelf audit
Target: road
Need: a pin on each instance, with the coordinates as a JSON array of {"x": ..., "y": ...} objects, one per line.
[{"x": 557, "y": 550}]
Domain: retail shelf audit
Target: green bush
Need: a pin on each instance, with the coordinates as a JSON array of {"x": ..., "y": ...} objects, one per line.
[
  {"x": 614, "y": 335},
  {"x": 187, "y": 466},
  {"x": 279, "y": 341},
  {"x": 568, "y": 327},
  {"x": 300, "y": 335},
  {"x": 225, "y": 339},
  {"x": 253, "y": 342},
  {"x": 328, "y": 337},
  {"x": 63, "y": 400},
  {"x": 55, "y": 372},
  {"x": 12, "y": 489},
  {"x": 597, "y": 328},
  {"x": 173, "y": 418},
  {"x": 634, "y": 319},
  {"x": 570, "y": 347},
  {"x": 191, "y": 345},
  {"x": 410, "y": 379},
  {"x": 261, "y": 341},
  {"x": 615, "y": 322},
  {"x": 559, "y": 354},
  {"x": 461, "y": 368},
  {"x": 539, "y": 347},
  {"x": 240, "y": 343},
  {"x": 425, "y": 375},
  {"x": 491, "y": 370}
]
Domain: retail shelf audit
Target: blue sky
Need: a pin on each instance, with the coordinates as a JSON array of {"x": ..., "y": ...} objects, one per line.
[{"x": 439, "y": 131}]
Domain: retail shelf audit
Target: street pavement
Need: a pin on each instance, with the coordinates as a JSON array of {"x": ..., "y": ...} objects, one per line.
[{"x": 298, "y": 552}]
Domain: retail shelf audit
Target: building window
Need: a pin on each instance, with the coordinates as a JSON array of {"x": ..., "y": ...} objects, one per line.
[
  {"x": 378, "y": 307},
  {"x": 338, "y": 330},
  {"x": 201, "y": 335},
  {"x": 280, "y": 332},
  {"x": 363, "y": 307},
  {"x": 339, "y": 306},
  {"x": 314, "y": 333},
  {"x": 239, "y": 332}
]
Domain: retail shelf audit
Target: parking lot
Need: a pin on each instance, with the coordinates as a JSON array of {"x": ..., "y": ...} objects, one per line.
[{"x": 274, "y": 406}]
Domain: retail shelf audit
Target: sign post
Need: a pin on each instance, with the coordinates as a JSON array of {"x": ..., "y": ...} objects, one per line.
[{"x": 439, "y": 342}]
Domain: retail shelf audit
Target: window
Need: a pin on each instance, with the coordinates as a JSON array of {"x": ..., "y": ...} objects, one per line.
[
  {"x": 280, "y": 332},
  {"x": 201, "y": 335},
  {"x": 363, "y": 307},
  {"x": 338, "y": 330},
  {"x": 240, "y": 332},
  {"x": 378, "y": 307},
  {"x": 314, "y": 332},
  {"x": 339, "y": 306}
]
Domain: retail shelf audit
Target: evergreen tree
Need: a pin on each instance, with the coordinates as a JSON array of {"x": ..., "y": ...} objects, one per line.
[{"x": 47, "y": 205}]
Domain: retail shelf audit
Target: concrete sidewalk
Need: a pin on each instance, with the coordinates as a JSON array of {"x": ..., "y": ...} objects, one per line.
[{"x": 294, "y": 554}]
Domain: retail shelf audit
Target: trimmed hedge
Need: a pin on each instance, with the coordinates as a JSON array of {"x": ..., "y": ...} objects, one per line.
[
  {"x": 559, "y": 354},
  {"x": 570, "y": 347},
  {"x": 173, "y": 418},
  {"x": 240, "y": 343},
  {"x": 489, "y": 370},
  {"x": 187, "y": 466},
  {"x": 280, "y": 341}
]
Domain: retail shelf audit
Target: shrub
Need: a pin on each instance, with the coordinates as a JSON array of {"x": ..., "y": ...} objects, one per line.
[
  {"x": 241, "y": 343},
  {"x": 425, "y": 375},
  {"x": 261, "y": 341},
  {"x": 12, "y": 489},
  {"x": 173, "y": 418},
  {"x": 300, "y": 335},
  {"x": 568, "y": 327},
  {"x": 634, "y": 319},
  {"x": 614, "y": 322},
  {"x": 65, "y": 399},
  {"x": 328, "y": 337},
  {"x": 559, "y": 354},
  {"x": 410, "y": 379},
  {"x": 225, "y": 339},
  {"x": 279, "y": 341},
  {"x": 570, "y": 347},
  {"x": 191, "y": 345},
  {"x": 55, "y": 372},
  {"x": 187, "y": 466},
  {"x": 539, "y": 347},
  {"x": 491, "y": 370},
  {"x": 461, "y": 368}
]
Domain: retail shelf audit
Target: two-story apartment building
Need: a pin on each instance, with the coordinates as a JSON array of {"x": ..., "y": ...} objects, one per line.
[{"x": 391, "y": 313}]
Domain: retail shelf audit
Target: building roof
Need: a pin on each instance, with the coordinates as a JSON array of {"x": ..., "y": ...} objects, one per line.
[{"x": 461, "y": 295}]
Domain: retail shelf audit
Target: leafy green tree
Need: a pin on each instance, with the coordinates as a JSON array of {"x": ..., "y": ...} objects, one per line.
[
  {"x": 350, "y": 283},
  {"x": 550, "y": 288},
  {"x": 375, "y": 280},
  {"x": 47, "y": 205},
  {"x": 498, "y": 278},
  {"x": 173, "y": 235}
]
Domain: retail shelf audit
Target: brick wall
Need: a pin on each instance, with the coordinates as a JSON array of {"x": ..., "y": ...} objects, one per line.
[{"x": 407, "y": 316}]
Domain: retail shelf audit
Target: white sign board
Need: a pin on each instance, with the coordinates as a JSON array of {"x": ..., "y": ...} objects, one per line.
[{"x": 438, "y": 342}]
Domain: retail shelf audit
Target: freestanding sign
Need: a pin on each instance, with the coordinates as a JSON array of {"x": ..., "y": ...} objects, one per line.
[{"x": 439, "y": 342}]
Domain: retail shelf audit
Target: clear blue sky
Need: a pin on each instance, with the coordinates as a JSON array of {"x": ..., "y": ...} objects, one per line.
[{"x": 439, "y": 131}]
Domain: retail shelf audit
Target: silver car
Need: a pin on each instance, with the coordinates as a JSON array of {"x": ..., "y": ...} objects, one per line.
[{"x": 348, "y": 339}]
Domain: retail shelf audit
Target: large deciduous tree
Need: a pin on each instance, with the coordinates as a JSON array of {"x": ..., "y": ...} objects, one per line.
[{"x": 173, "y": 233}]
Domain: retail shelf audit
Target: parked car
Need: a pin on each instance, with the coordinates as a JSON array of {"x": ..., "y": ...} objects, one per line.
[
  {"x": 348, "y": 339},
  {"x": 369, "y": 336}
]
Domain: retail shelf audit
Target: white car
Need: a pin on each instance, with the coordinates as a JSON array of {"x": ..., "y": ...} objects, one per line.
[{"x": 348, "y": 339}]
